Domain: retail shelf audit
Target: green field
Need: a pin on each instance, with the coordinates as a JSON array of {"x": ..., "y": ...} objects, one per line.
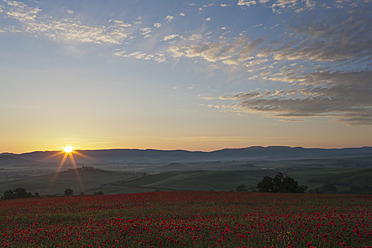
[{"x": 90, "y": 181}]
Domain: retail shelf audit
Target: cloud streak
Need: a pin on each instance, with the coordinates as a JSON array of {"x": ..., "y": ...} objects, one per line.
[
  {"x": 66, "y": 29},
  {"x": 158, "y": 57},
  {"x": 346, "y": 97},
  {"x": 339, "y": 39},
  {"x": 222, "y": 51}
]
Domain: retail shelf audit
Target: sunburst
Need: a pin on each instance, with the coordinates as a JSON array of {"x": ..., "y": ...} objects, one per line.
[{"x": 68, "y": 152}]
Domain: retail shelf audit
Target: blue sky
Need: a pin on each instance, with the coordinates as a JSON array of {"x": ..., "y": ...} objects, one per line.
[{"x": 197, "y": 75}]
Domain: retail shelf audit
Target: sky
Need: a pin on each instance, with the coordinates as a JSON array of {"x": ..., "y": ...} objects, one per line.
[{"x": 195, "y": 75}]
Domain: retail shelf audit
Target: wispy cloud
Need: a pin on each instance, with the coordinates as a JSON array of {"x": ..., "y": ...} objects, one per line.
[
  {"x": 339, "y": 39},
  {"x": 146, "y": 32},
  {"x": 345, "y": 97},
  {"x": 170, "y": 37},
  {"x": 280, "y": 5},
  {"x": 66, "y": 29},
  {"x": 246, "y": 2},
  {"x": 329, "y": 75},
  {"x": 169, "y": 18},
  {"x": 157, "y": 25},
  {"x": 158, "y": 57},
  {"x": 284, "y": 4},
  {"x": 222, "y": 51}
]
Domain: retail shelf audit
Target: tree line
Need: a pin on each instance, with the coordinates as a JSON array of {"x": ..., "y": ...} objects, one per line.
[
  {"x": 22, "y": 193},
  {"x": 277, "y": 184},
  {"x": 18, "y": 193}
]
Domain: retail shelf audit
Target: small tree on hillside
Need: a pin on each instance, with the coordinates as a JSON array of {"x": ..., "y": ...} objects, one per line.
[
  {"x": 69, "y": 191},
  {"x": 280, "y": 184},
  {"x": 241, "y": 188}
]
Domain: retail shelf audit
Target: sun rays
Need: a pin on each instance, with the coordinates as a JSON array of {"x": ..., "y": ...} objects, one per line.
[
  {"x": 68, "y": 152},
  {"x": 68, "y": 149}
]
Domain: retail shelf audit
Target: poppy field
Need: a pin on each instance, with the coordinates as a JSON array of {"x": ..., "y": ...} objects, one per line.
[{"x": 188, "y": 219}]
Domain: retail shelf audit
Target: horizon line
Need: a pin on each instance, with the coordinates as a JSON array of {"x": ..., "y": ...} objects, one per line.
[{"x": 156, "y": 149}]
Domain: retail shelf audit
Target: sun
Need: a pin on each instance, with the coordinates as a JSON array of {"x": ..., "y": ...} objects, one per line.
[
  {"x": 69, "y": 153},
  {"x": 68, "y": 149}
]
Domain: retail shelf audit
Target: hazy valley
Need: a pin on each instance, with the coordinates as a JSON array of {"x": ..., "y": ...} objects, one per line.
[{"x": 131, "y": 170}]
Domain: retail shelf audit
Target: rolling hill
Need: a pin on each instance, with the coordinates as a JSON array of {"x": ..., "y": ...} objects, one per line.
[
  {"x": 173, "y": 156},
  {"x": 92, "y": 180}
]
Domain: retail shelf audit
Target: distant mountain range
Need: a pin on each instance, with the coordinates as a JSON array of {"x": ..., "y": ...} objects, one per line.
[{"x": 172, "y": 156}]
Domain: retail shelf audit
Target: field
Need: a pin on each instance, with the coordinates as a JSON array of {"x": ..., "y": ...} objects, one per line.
[
  {"x": 188, "y": 219},
  {"x": 118, "y": 182}
]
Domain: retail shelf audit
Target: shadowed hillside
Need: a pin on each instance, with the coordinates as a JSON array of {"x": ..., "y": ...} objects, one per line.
[
  {"x": 165, "y": 156},
  {"x": 45, "y": 185},
  {"x": 94, "y": 180}
]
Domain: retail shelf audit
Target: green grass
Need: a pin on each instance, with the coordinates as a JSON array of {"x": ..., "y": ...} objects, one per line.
[
  {"x": 44, "y": 185},
  {"x": 354, "y": 162},
  {"x": 228, "y": 180},
  {"x": 353, "y": 177},
  {"x": 218, "y": 176}
]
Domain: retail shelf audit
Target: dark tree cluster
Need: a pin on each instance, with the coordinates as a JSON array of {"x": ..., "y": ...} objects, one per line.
[
  {"x": 241, "y": 188},
  {"x": 85, "y": 168},
  {"x": 18, "y": 193},
  {"x": 69, "y": 191},
  {"x": 280, "y": 184}
]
